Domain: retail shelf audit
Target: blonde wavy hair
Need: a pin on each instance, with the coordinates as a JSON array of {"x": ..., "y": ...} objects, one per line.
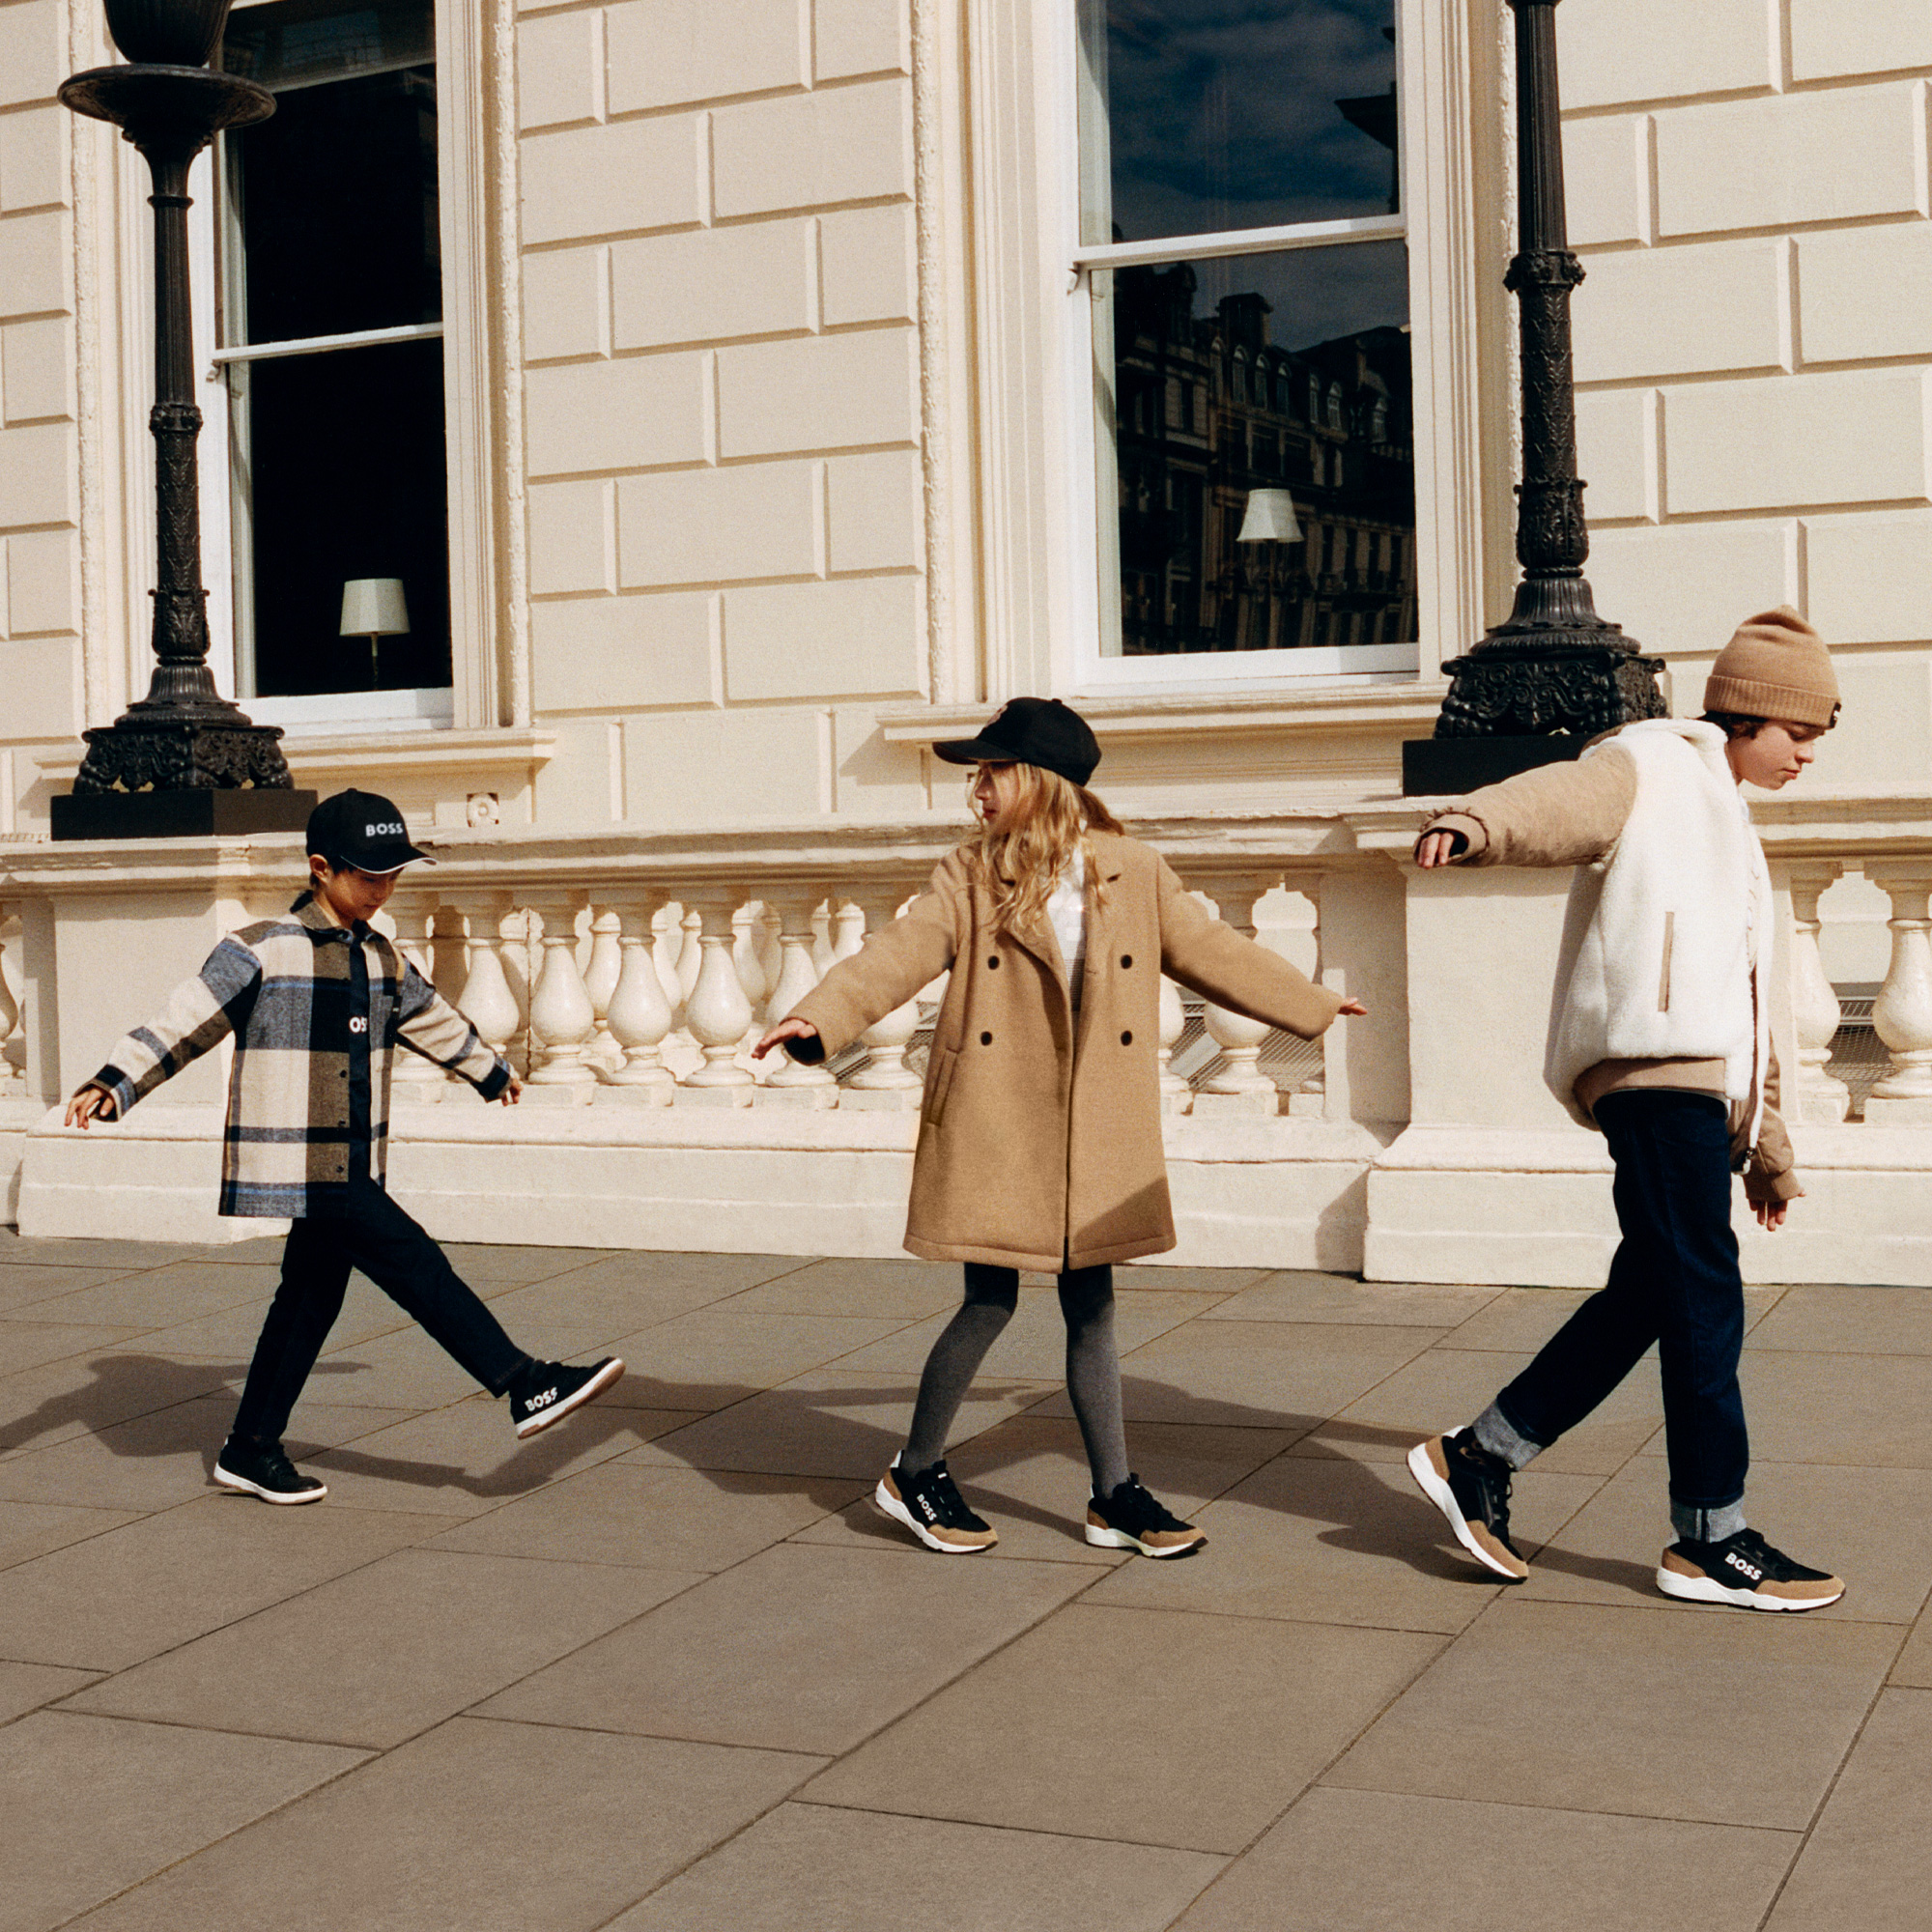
[{"x": 1022, "y": 853}]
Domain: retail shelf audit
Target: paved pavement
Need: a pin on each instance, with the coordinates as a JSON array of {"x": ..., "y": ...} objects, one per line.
[{"x": 663, "y": 1669}]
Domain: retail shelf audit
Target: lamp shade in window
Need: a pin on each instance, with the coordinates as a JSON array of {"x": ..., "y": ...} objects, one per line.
[
  {"x": 1270, "y": 519},
  {"x": 373, "y": 606}
]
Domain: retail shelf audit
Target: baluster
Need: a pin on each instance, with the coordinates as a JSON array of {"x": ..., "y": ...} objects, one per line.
[
  {"x": 600, "y": 982},
  {"x": 716, "y": 1010},
  {"x": 562, "y": 1018},
  {"x": 12, "y": 1079},
  {"x": 748, "y": 953},
  {"x": 792, "y": 1084},
  {"x": 885, "y": 1080},
  {"x": 488, "y": 1002},
  {"x": 1311, "y": 1095},
  {"x": 1815, "y": 1011},
  {"x": 1176, "y": 1096},
  {"x": 414, "y": 1080},
  {"x": 1902, "y": 1012},
  {"x": 1239, "y": 1087},
  {"x": 639, "y": 1013}
]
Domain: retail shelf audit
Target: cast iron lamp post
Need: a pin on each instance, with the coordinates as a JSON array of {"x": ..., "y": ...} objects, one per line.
[
  {"x": 183, "y": 759},
  {"x": 1554, "y": 673}
]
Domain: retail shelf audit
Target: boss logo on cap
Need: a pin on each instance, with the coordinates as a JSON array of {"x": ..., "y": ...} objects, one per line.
[{"x": 391, "y": 830}]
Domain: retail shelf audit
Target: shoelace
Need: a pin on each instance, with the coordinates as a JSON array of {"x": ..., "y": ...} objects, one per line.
[
  {"x": 947, "y": 1493},
  {"x": 1136, "y": 1506},
  {"x": 1494, "y": 1483}
]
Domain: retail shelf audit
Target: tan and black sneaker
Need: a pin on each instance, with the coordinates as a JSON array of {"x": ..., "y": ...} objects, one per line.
[
  {"x": 1745, "y": 1572},
  {"x": 1129, "y": 1519},
  {"x": 1471, "y": 1488},
  {"x": 931, "y": 1506}
]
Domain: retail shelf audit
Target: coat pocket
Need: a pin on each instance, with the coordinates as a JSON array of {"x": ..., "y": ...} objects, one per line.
[
  {"x": 939, "y": 1083},
  {"x": 1664, "y": 976}
]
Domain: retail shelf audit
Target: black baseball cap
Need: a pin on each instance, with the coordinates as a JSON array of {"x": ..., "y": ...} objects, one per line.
[
  {"x": 359, "y": 829},
  {"x": 1031, "y": 731}
]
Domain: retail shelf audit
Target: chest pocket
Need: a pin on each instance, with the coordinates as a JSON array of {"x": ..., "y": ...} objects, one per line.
[{"x": 939, "y": 1085}]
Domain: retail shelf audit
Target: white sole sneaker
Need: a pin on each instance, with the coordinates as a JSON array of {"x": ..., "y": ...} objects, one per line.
[
  {"x": 610, "y": 1374},
  {"x": 1708, "y": 1590},
  {"x": 228, "y": 1480},
  {"x": 1434, "y": 1482},
  {"x": 1103, "y": 1536},
  {"x": 888, "y": 1504}
]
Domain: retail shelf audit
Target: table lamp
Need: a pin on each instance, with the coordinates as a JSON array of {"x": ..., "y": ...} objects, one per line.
[
  {"x": 1270, "y": 518},
  {"x": 372, "y": 607}
]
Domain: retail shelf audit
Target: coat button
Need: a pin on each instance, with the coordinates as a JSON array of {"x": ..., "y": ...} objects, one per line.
[
  {"x": 985, "y": 1040},
  {"x": 1126, "y": 1039},
  {"x": 1127, "y": 958},
  {"x": 993, "y": 964}
]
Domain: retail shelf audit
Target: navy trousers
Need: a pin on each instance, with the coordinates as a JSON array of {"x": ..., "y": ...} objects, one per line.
[{"x": 1674, "y": 1281}]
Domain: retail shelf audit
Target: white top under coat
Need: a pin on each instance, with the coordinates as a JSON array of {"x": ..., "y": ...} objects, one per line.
[{"x": 1066, "y": 914}]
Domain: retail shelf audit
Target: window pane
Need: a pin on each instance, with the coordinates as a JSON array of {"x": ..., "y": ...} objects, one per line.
[
  {"x": 1271, "y": 394},
  {"x": 348, "y": 482},
  {"x": 1202, "y": 116}
]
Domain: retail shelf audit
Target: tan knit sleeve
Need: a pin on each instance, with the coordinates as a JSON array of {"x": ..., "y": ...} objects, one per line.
[{"x": 1565, "y": 814}]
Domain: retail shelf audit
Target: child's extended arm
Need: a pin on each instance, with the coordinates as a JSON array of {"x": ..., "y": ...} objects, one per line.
[
  {"x": 200, "y": 1013},
  {"x": 1562, "y": 815},
  {"x": 426, "y": 1023},
  {"x": 884, "y": 973},
  {"x": 1224, "y": 966}
]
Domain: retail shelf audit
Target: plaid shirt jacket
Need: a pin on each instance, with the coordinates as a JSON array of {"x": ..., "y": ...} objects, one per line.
[{"x": 282, "y": 988}]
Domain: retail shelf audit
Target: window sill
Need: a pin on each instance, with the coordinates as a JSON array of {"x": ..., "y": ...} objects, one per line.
[{"x": 330, "y": 713}]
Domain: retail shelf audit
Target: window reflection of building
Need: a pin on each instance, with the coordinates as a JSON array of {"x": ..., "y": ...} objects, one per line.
[{"x": 1210, "y": 408}]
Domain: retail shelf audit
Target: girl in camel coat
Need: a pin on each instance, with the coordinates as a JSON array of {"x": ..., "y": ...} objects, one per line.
[{"x": 1039, "y": 1143}]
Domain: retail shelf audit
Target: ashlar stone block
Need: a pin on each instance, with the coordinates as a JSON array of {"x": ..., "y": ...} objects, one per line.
[
  {"x": 672, "y": 761},
  {"x": 32, "y": 159},
  {"x": 1886, "y": 728},
  {"x": 1870, "y": 576},
  {"x": 1832, "y": 37},
  {"x": 572, "y": 537},
  {"x": 36, "y": 370},
  {"x": 815, "y": 149},
  {"x": 38, "y": 466},
  {"x": 1865, "y": 292},
  {"x": 1614, "y": 453},
  {"x": 626, "y": 414},
  {"x": 31, "y": 65},
  {"x": 1793, "y": 157},
  {"x": 1604, "y": 161},
  {"x": 1794, "y": 441},
  {"x": 665, "y": 53},
  {"x": 873, "y": 506},
  {"x": 1618, "y": 51},
  {"x": 698, "y": 526},
  {"x": 566, "y": 305},
  {"x": 559, "y": 70},
  {"x": 42, "y": 592},
  {"x": 35, "y": 251},
  {"x": 40, "y": 676},
  {"x": 854, "y": 37},
  {"x": 1682, "y": 588},
  {"x": 1698, "y": 309},
  {"x": 623, "y": 653},
  {"x": 711, "y": 284},
  {"x": 867, "y": 261},
  {"x": 856, "y": 636},
  {"x": 824, "y": 392},
  {"x": 612, "y": 181}
]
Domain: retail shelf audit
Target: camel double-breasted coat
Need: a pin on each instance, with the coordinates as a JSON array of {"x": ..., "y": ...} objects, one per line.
[{"x": 1039, "y": 1142}]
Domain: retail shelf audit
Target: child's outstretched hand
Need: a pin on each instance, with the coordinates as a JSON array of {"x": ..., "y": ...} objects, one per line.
[
  {"x": 511, "y": 1094},
  {"x": 1352, "y": 1010},
  {"x": 784, "y": 1030},
  {"x": 90, "y": 1104}
]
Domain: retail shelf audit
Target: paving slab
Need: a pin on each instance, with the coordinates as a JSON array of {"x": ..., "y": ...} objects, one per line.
[
  {"x": 812, "y": 1865},
  {"x": 1523, "y": 1319},
  {"x": 165, "y": 1298},
  {"x": 493, "y": 1268},
  {"x": 1383, "y": 1861},
  {"x": 1868, "y": 1861},
  {"x": 1083, "y": 1725},
  {"x": 366, "y": 1313},
  {"x": 26, "y": 1344},
  {"x": 1298, "y": 1295},
  {"x": 476, "y": 1828},
  {"x": 714, "y": 1357},
  {"x": 64, "y": 1399},
  {"x": 1849, "y": 1320},
  {"x": 906, "y": 1290},
  {"x": 801, "y": 1648},
  {"x": 134, "y": 1592},
  {"x": 661, "y": 1517},
  {"x": 1913, "y": 1666},
  {"x": 31, "y": 1529},
  {"x": 26, "y": 1284},
  {"x": 27, "y": 1686},
  {"x": 1188, "y": 1281},
  {"x": 1861, "y": 1411},
  {"x": 1589, "y": 1708},
  {"x": 165, "y": 1791},
  {"x": 1339, "y": 1542},
  {"x": 80, "y": 1253},
  {"x": 1873, "y": 1527},
  {"x": 380, "y": 1655}
]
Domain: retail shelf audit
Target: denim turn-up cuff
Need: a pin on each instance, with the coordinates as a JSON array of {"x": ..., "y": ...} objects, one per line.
[
  {"x": 1500, "y": 1436},
  {"x": 1706, "y": 1525}
]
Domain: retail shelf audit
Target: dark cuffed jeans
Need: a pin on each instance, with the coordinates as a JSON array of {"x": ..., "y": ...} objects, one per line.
[
  {"x": 376, "y": 1235},
  {"x": 1674, "y": 1281}
]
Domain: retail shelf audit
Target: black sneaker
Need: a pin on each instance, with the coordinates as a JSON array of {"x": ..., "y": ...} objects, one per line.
[
  {"x": 1744, "y": 1571},
  {"x": 1471, "y": 1488},
  {"x": 931, "y": 1507},
  {"x": 548, "y": 1391},
  {"x": 265, "y": 1472},
  {"x": 1129, "y": 1519}
]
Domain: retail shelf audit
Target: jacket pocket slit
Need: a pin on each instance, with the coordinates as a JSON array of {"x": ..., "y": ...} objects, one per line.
[{"x": 1664, "y": 978}]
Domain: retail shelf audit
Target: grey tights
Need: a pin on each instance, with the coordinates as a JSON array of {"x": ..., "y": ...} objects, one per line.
[{"x": 1093, "y": 1367}]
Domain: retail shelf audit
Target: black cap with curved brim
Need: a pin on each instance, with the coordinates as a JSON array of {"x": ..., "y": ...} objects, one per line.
[
  {"x": 1037, "y": 731},
  {"x": 362, "y": 829}
]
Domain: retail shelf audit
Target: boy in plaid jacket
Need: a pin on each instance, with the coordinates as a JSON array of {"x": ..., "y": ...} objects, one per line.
[{"x": 318, "y": 1003}]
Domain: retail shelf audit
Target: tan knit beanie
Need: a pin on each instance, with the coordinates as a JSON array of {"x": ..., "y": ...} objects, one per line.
[{"x": 1775, "y": 667}]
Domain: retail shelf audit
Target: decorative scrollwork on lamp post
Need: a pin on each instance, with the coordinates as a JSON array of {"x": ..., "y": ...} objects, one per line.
[
  {"x": 1554, "y": 673},
  {"x": 183, "y": 759}
]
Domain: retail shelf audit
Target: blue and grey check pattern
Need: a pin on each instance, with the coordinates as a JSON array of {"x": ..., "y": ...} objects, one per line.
[{"x": 283, "y": 989}]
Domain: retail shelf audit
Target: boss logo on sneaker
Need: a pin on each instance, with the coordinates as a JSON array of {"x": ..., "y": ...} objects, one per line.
[
  {"x": 543, "y": 1401},
  {"x": 358, "y": 1024},
  {"x": 1737, "y": 1562}
]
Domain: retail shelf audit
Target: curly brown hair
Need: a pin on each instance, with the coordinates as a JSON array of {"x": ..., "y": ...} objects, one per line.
[{"x": 1022, "y": 853}]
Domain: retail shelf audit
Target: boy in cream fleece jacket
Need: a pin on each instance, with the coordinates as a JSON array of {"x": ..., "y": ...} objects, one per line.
[{"x": 1662, "y": 1042}]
